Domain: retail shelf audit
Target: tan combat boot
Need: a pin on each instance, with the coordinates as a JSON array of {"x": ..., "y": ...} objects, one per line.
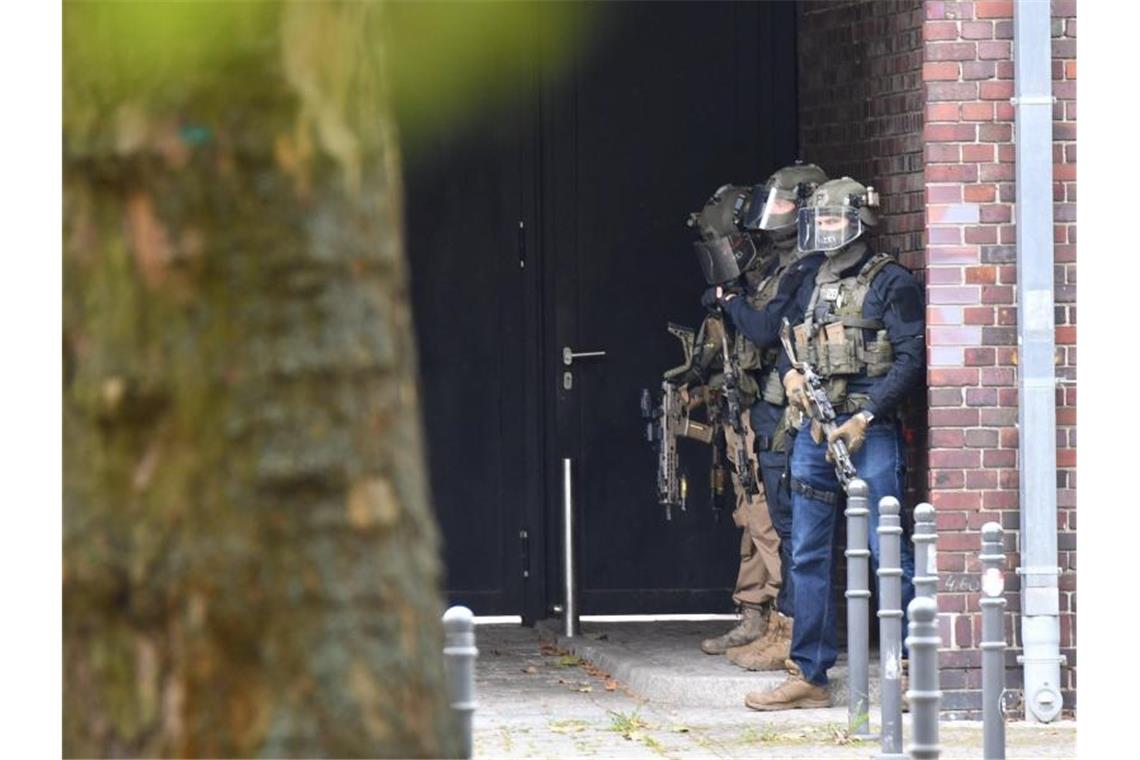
[
  {"x": 744, "y": 656},
  {"x": 771, "y": 652},
  {"x": 792, "y": 694},
  {"x": 753, "y": 623}
]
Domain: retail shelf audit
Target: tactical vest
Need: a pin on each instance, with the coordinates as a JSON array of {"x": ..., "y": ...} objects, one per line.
[
  {"x": 763, "y": 361},
  {"x": 750, "y": 359},
  {"x": 746, "y": 358},
  {"x": 832, "y": 335}
]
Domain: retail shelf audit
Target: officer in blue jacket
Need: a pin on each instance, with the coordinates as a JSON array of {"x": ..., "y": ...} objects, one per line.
[
  {"x": 861, "y": 325},
  {"x": 758, "y": 316}
]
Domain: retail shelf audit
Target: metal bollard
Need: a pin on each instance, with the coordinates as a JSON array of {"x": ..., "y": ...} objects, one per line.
[
  {"x": 858, "y": 609},
  {"x": 924, "y": 694},
  {"x": 993, "y": 641},
  {"x": 890, "y": 628},
  {"x": 570, "y": 624},
  {"x": 459, "y": 655},
  {"x": 925, "y": 555}
]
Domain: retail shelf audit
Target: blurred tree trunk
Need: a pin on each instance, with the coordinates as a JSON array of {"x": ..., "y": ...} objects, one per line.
[{"x": 251, "y": 564}]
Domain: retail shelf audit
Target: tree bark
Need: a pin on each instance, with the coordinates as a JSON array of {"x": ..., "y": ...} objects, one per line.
[{"x": 250, "y": 561}]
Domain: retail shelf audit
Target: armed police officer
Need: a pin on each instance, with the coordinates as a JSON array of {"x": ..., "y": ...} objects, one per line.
[
  {"x": 861, "y": 327},
  {"x": 740, "y": 219},
  {"x": 758, "y": 315},
  {"x": 729, "y": 257}
]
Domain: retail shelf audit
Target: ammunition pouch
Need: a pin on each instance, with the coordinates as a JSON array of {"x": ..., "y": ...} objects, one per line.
[
  {"x": 841, "y": 349},
  {"x": 833, "y": 335},
  {"x": 779, "y": 438},
  {"x": 749, "y": 391},
  {"x": 748, "y": 356},
  {"x": 785, "y": 431},
  {"x": 772, "y": 388}
]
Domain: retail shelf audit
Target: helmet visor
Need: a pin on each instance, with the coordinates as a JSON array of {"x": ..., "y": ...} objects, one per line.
[
  {"x": 773, "y": 210},
  {"x": 828, "y": 228},
  {"x": 723, "y": 259}
]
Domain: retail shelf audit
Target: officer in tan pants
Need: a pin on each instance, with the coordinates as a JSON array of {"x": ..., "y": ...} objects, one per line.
[
  {"x": 729, "y": 254},
  {"x": 765, "y": 216},
  {"x": 758, "y": 579}
]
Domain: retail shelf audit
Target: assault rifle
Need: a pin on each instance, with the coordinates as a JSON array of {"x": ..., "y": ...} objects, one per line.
[
  {"x": 670, "y": 418},
  {"x": 821, "y": 409},
  {"x": 735, "y": 412},
  {"x": 666, "y": 422}
]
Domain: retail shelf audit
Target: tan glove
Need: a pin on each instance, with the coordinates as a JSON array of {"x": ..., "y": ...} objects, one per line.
[
  {"x": 817, "y": 432},
  {"x": 793, "y": 420},
  {"x": 795, "y": 387},
  {"x": 853, "y": 432}
]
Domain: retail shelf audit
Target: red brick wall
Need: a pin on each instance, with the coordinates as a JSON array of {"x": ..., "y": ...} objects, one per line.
[
  {"x": 972, "y": 317},
  {"x": 914, "y": 98},
  {"x": 860, "y": 93},
  {"x": 859, "y": 77},
  {"x": 861, "y": 101}
]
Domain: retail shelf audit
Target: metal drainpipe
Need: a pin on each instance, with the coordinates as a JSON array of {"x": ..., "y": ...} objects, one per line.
[{"x": 1033, "y": 125}]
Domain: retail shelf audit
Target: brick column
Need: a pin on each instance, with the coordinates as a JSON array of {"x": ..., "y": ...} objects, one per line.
[
  {"x": 972, "y": 317},
  {"x": 914, "y": 98}
]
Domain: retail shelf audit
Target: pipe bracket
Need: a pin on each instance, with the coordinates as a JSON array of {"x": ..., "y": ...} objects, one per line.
[{"x": 1033, "y": 100}]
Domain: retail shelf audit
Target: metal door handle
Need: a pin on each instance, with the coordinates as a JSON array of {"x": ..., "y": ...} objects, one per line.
[{"x": 568, "y": 355}]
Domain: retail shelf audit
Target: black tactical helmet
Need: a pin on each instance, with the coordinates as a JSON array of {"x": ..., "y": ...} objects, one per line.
[
  {"x": 725, "y": 249},
  {"x": 774, "y": 204}
]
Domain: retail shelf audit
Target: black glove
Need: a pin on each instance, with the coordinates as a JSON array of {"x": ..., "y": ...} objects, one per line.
[{"x": 710, "y": 301}]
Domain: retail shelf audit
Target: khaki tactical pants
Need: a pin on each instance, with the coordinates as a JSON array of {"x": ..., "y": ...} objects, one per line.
[{"x": 758, "y": 580}]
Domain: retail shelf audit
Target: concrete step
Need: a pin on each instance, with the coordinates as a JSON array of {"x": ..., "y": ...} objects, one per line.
[{"x": 663, "y": 662}]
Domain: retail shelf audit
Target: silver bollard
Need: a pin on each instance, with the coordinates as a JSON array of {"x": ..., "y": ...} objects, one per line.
[
  {"x": 925, "y": 555},
  {"x": 890, "y": 628},
  {"x": 858, "y": 610},
  {"x": 924, "y": 694},
  {"x": 570, "y": 625},
  {"x": 993, "y": 641},
  {"x": 459, "y": 653}
]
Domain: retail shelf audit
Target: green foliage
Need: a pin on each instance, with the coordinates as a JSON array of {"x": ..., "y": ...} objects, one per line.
[
  {"x": 765, "y": 735},
  {"x": 445, "y": 63},
  {"x": 453, "y": 62},
  {"x": 171, "y": 56},
  {"x": 629, "y": 725}
]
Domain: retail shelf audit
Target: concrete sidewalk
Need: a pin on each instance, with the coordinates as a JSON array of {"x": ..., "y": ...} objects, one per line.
[
  {"x": 539, "y": 699},
  {"x": 663, "y": 660}
]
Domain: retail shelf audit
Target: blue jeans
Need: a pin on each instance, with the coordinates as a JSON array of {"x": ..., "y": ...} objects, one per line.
[
  {"x": 881, "y": 464},
  {"x": 765, "y": 419}
]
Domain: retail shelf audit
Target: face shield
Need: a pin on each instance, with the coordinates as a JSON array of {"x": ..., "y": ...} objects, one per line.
[
  {"x": 828, "y": 228},
  {"x": 723, "y": 259},
  {"x": 774, "y": 210}
]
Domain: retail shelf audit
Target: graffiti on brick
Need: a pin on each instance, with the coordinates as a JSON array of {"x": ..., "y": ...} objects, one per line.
[{"x": 962, "y": 582}]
